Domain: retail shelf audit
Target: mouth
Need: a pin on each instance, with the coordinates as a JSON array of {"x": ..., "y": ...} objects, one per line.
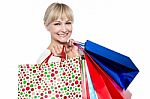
[{"x": 62, "y": 35}]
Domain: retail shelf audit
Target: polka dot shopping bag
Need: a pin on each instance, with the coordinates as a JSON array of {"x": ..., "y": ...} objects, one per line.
[{"x": 57, "y": 80}]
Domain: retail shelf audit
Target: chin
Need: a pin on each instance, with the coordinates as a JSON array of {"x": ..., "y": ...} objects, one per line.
[{"x": 62, "y": 40}]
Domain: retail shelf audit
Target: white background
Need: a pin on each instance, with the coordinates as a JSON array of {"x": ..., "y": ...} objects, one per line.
[{"x": 121, "y": 25}]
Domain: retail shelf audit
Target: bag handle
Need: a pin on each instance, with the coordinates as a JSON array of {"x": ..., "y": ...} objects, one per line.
[{"x": 63, "y": 54}]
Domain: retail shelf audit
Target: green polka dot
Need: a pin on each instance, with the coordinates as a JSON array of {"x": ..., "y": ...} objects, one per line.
[
  {"x": 73, "y": 76},
  {"x": 26, "y": 95},
  {"x": 75, "y": 89},
  {"x": 79, "y": 89},
  {"x": 52, "y": 87},
  {"x": 48, "y": 76},
  {"x": 61, "y": 69},
  {"x": 45, "y": 73},
  {"x": 61, "y": 89},
  {"x": 35, "y": 96},
  {"x": 65, "y": 88},
  {"x": 31, "y": 85},
  {"x": 53, "y": 98},
  {"x": 64, "y": 77},
  {"x": 67, "y": 93},
  {"x": 21, "y": 93},
  {"x": 33, "y": 67},
  {"x": 79, "y": 78},
  {"x": 51, "y": 64},
  {"x": 70, "y": 88},
  {"x": 24, "y": 82}
]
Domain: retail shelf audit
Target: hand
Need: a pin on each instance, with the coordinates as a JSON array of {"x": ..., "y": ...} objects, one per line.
[
  {"x": 71, "y": 49},
  {"x": 56, "y": 50},
  {"x": 127, "y": 94}
]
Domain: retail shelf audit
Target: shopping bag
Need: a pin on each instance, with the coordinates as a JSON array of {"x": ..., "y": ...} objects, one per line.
[
  {"x": 104, "y": 87},
  {"x": 118, "y": 66},
  {"x": 52, "y": 81}
]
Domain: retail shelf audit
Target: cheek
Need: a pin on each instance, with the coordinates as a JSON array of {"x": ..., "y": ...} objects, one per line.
[
  {"x": 54, "y": 30},
  {"x": 70, "y": 28}
]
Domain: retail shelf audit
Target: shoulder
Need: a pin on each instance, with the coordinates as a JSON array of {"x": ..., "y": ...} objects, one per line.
[{"x": 43, "y": 56}]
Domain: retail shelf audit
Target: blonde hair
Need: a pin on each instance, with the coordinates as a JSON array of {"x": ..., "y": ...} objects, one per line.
[{"x": 57, "y": 10}]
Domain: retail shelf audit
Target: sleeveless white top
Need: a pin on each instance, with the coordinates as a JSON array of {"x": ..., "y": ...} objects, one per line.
[{"x": 45, "y": 54}]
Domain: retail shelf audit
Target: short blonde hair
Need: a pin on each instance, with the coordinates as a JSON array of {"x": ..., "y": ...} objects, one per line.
[{"x": 57, "y": 10}]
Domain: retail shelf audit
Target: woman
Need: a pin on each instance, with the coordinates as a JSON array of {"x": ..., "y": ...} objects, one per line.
[{"x": 58, "y": 21}]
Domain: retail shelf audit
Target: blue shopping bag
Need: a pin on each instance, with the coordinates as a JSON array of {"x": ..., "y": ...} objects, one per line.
[{"x": 118, "y": 66}]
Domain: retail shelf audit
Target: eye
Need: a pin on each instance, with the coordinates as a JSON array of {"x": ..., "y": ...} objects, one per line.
[
  {"x": 68, "y": 23},
  {"x": 57, "y": 24}
]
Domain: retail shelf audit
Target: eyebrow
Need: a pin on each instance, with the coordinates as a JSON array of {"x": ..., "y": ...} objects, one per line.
[{"x": 60, "y": 21}]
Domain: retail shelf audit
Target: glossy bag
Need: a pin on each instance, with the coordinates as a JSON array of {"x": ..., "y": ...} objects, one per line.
[{"x": 118, "y": 66}]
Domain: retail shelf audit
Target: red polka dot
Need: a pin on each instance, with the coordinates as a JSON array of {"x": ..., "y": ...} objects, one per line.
[
  {"x": 29, "y": 92},
  {"x": 49, "y": 92},
  {"x": 52, "y": 70},
  {"x": 51, "y": 80},
  {"x": 32, "y": 89},
  {"x": 76, "y": 77},
  {"x": 66, "y": 84},
  {"x": 76, "y": 96},
  {"x": 41, "y": 94},
  {"x": 27, "y": 88},
  {"x": 72, "y": 84},
  {"x": 45, "y": 89},
  {"x": 64, "y": 73},
  {"x": 23, "y": 89},
  {"x": 76, "y": 82},
  {"x": 46, "y": 96},
  {"x": 42, "y": 75},
  {"x": 41, "y": 98},
  {"x": 52, "y": 74},
  {"x": 65, "y": 97},
  {"x": 40, "y": 79},
  {"x": 39, "y": 87},
  {"x": 34, "y": 71},
  {"x": 57, "y": 95},
  {"x": 56, "y": 72}
]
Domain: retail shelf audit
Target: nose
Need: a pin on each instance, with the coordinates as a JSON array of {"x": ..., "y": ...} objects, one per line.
[{"x": 63, "y": 28}]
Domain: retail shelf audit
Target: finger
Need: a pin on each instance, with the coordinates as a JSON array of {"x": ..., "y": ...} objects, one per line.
[
  {"x": 75, "y": 48},
  {"x": 53, "y": 51},
  {"x": 57, "y": 50},
  {"x": 71, "y": 42}
]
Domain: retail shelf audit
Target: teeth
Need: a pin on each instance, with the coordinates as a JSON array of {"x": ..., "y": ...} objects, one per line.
[{"x": 62, "y": 35}]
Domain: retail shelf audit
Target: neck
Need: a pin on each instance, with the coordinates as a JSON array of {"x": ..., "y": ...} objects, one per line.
[{"x": 54, "y": 43}]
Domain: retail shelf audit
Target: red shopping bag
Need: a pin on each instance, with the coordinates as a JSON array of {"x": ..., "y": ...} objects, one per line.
[
  {"x": 55, "y": 80},
  {"x": 104, "y": 86}
]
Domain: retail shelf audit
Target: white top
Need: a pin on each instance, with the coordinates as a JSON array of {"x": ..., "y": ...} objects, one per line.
[{"x": 45, "y": 54}]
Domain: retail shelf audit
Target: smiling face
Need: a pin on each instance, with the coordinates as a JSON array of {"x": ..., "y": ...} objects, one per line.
[
  {"x": 58, "y": 20},
  {"x": 60, "y": 29}
]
